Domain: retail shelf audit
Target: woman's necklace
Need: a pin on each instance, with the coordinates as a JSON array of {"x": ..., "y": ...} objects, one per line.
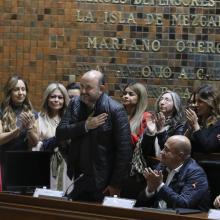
[{"x": 55, "y": 121}]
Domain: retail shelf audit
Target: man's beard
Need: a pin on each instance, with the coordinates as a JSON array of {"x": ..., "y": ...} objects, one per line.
[{"x": 88, "y": 102}]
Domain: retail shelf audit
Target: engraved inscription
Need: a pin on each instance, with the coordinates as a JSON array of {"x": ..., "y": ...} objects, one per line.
[{"x": 122, "y": 44}]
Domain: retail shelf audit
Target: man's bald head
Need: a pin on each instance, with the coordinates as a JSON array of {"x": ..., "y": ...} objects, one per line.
[
  {"x": 182, "y": 144},
  {"x": 176, "y": 150},
  {"x": 94, "y": 75},
  {"x": 91, "y": 87}
]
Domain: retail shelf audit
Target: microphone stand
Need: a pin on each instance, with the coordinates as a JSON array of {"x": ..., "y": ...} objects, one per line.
[{"x": 74, "y": 181}]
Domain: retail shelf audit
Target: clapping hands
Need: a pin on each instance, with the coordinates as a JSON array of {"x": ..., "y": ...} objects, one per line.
[
  {"x": 25, "y": 121},
  {"x": 192, "y": 119},
  {"x": 155, "y": 123},
  {"x": 153, "y": 178}
]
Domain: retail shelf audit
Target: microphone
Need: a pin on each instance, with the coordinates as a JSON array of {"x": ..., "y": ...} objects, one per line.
[{"x": 74, "y": 181}]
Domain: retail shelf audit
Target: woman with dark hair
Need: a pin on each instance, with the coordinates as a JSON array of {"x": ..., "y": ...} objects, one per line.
[
  {"x": 55, "y": 102},
  {"x": 167, "y": 121},
  {"x": 18, "y": 130},
  {"x": 204, "y": 120}
]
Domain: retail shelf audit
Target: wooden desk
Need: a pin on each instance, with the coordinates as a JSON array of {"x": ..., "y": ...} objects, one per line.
[{"x": 28, "y": 208}]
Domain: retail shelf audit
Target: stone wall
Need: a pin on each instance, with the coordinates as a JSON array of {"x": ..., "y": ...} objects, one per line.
[{"x": 171, "y": 44}]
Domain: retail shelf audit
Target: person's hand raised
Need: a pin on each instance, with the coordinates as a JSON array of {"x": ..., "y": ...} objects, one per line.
[
  {"x": 160, "y": 122},
  {"x": 25, "y": 120},
  {"x": 192, "y": 119},
  {"x": 151, "y": 125},
  {"x": 156, "y": 123},
  {"x": 153, "y": 178}
]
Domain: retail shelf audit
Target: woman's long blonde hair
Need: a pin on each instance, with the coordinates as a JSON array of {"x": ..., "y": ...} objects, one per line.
[
  {"x": 141, "y": 106},
  {"x": 50, "y": 88},
  {"x": 8, "y": 114}
]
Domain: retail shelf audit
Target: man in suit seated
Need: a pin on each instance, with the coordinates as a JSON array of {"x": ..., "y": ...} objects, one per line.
[{"x": 186, "y": 185}]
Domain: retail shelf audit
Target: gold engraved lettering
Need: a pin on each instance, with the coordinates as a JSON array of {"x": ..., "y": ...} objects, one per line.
[
  {"x": 166, "y": 72},
  {"x": 131, "y": 18},
  {"x": 195, "y": 3},
  {"x": 146, "y": 71},
  {"x": 211, "y": 3},
  {"x": 198, "y": 46},
  {"x": 180, "y": 46},
  {"x": 144, "y": 2},
  {"x": 103, "y": 44},
  {"x": 163, "y": 2},
  {"x": 195, "y": 20},
  {"x": 201, "y": 46},
  {"x": 133, "y": 46},
  {"x": 209, "y": 21},
  {"x": 200, "y": 73},
  {"x": 84, "y": 17},
  {"x": 119, "y": 18},
  {"x": 92, "y": 42},
  {"x": 125, "y": 44},
  {"x": 155, "y": 19},
  {"x": 115, "y": 43},
  {"x": 212, "y": 22},
  {"x": 155, "y": 45},
  {"x": 190, "y": 45},
  {"x": 210, "y": 47},
  {"x": 183, "y": 74},
  {"x": 160, "y": 73},
  {"x": 163, "y": 89},
  {"x": 182, "y": 20},
  {"x": 186, "y": 94}
]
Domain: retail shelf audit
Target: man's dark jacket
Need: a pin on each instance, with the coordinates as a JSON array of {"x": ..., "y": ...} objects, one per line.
[
  {"x": 188, "y": 189},
  {"x": 103, "y": 153}
]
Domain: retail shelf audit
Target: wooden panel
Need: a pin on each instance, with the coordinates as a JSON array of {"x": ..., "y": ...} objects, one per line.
[{"x": 24, "y": 207}]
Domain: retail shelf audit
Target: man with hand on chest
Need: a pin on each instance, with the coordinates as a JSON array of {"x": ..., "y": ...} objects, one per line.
[
  {"x": 100, "y": 150},
  {"x": 186, "y": 185}
]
